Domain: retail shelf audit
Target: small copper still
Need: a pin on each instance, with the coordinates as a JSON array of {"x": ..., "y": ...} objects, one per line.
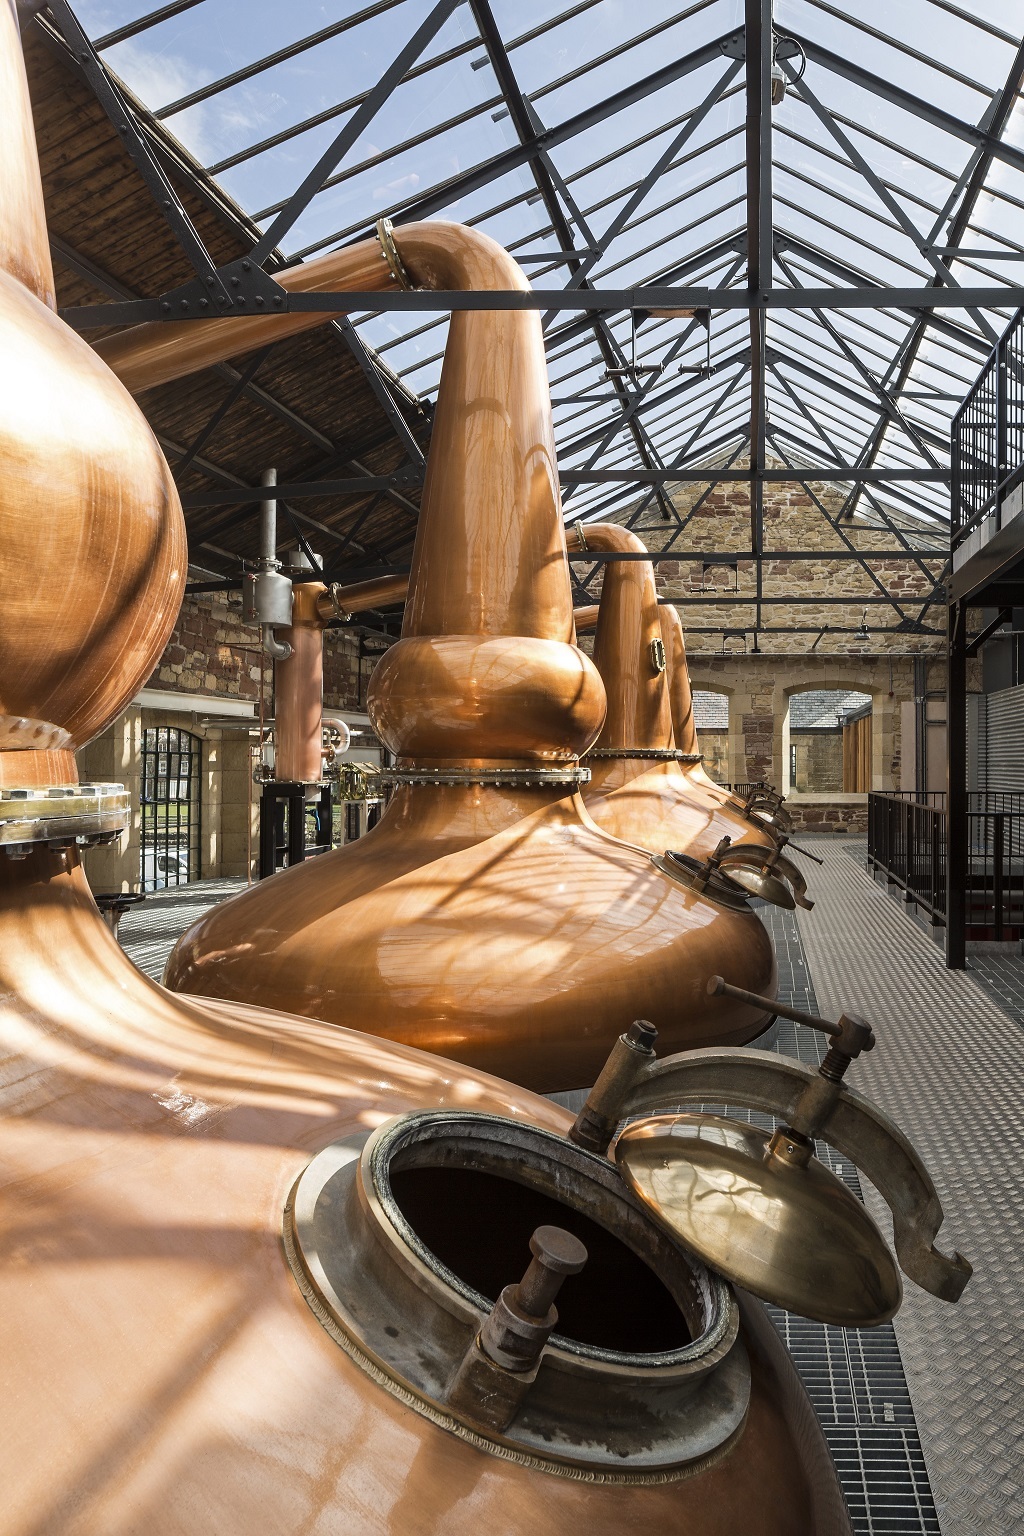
[{"x": 647, "y": 783}]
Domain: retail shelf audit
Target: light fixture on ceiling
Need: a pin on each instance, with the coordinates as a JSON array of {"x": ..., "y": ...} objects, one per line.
[{"x": 784, "y": 48}]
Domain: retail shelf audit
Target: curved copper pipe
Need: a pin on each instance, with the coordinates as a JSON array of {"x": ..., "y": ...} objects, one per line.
[
  {"x": 420, "y": 928},
  {"x": 666, "y": 804},
  {"x": 156, "y": 353}
]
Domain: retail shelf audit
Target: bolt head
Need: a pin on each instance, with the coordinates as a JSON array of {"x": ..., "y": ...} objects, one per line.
[{"x": 558, "y": 1250}]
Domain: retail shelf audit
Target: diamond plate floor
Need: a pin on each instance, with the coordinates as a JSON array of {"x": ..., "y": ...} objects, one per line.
[{"x": 947, "y": 1069}]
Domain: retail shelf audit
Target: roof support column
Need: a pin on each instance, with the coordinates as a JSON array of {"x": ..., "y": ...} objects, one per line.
[{"x": 758, "y": 33}]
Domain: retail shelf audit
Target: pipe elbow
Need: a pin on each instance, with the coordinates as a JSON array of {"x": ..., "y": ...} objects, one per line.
[
  {"x": 279, "y": 650},
  {"x": 603, "y": 538}
]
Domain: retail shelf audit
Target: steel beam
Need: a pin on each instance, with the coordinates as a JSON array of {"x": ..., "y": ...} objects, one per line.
[
  {"x": 354, "y": 127},
  {"x": 956, "y": 789},
  {"x": 595, "y": 300}
]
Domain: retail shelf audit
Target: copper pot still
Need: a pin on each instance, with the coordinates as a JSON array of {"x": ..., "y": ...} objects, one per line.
[
  {"x": 647, "y": 782},
  {"x": 486, "y": 917},
  {"x": 164, "y": 1362}
]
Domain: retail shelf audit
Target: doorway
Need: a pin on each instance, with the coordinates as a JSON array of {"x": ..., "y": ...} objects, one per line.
[{"x": 170, "y": 828}]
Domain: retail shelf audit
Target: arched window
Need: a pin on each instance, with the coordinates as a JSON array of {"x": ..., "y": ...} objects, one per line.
[
  {"x": 171, "y": 798},
  {"x": 711, "y": 719}
]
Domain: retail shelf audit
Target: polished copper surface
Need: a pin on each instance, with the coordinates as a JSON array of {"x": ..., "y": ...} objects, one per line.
[
  {"x": 660, "y": 805},
  {"x": 299, "y": 691},
  {"x": 791, "y": 1234},
  {"x": 342, "y": 601},
  {"x": 161, "y": 1367},
  {"x": 499, "y": 926},
  {"x": 92, "y": 563},
  {"x": 159, "y": 1358},
  {"x": 701, "y": 786}
]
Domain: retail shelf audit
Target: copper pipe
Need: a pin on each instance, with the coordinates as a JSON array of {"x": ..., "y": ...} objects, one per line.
[
  {"x": 343, "y": 602},
  {"x": 156, "y": 353},
  {"x": 659, "y": 804},
  {"x": 585, "y": 618},
  {"x": 299, "y": 692}
]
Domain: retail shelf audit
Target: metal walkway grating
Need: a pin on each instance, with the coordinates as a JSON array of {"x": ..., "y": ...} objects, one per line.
[
  {"x": 853, "y": 1376},
  {"x": 948, "y": 1071}
]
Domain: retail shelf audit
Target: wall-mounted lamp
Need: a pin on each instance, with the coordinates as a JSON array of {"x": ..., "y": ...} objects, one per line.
[{"x": 862, "y": 627}]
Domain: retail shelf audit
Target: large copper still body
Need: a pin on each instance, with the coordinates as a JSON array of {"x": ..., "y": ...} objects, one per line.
[
  {"x": 647, "y": 782},
  {"x": 486, "y": 917},
  {"x": 162, "y": 1369}
]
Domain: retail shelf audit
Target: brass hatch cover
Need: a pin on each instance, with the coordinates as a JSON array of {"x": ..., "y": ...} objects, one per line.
[{"x": 792, "y": 1234}]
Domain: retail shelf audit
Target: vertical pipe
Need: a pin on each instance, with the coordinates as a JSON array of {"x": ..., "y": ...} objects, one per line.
[
  {"x": 956, "y": 787},
  {"x": 268, "y": 523},
  {"x": 299, "y": 692}
]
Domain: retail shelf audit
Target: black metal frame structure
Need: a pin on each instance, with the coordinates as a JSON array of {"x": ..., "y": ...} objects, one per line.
[
  {"x": 845, "y": 226},
  {"x": 908, "y": 843},
  {"x": 283, "y": 831}
]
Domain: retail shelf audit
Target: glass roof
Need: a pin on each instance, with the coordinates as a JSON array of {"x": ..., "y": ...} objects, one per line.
[{"x": 880, "y": 176}]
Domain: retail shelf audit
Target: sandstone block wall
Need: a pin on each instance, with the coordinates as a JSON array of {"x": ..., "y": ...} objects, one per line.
[
  {"x": 210, "y": 653},
  {"x": 792, "y": 522}
]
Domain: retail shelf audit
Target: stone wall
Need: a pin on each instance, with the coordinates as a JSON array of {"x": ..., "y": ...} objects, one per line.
[
  {"x": 819, "y": 761},
  {"x": 759, "y": 688},
  {"x": 212, "y": 652},
  {"x": 211, "y": 655},
  {"x": 792, "y": 522}
]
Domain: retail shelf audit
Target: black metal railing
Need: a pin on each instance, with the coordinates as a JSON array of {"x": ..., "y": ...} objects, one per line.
[
  {"x": 907, "y": 843},
  {"x": 987, "y": 436}
]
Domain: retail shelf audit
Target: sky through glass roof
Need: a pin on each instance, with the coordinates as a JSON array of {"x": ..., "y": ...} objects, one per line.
[{"x": 878, "y": 169}]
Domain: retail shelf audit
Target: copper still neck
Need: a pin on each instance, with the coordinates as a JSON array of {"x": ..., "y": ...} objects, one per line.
[
  {"x": 679, "y": 691},
  {"x": 628, "y": 648}
]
